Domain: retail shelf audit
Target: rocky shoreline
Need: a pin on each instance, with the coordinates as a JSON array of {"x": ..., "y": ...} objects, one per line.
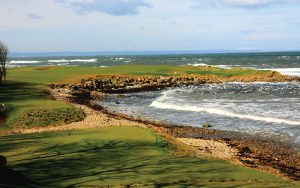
[
  {"x": 247, "y": 150},
  {"x": 131, "y": 83}
]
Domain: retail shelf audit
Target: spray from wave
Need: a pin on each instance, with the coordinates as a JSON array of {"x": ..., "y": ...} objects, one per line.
[
  {"x": 24, "y": 62},
  {"x": 72, "y": 60}
]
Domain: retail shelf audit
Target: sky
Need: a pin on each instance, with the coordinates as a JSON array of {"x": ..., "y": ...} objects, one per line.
[{"x": 149, "y": 25}]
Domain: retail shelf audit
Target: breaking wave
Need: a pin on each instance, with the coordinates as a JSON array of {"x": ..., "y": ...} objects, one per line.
[
  {"x": 23, "y": 62},
  {"x": 167, "y": 102},
  {"x": 72, "y": 60},
  {"x": 288, "y": 71}
]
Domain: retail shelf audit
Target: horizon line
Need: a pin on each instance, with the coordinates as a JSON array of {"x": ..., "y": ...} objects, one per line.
[{"x": 142, "y": 52}]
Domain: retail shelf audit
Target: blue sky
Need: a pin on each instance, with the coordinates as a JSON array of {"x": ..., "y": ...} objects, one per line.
[{"x": 142, "y": 25}]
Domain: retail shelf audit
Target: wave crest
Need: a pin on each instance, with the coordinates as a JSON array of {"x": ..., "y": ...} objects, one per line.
[
  {"x": 23, "y": 62},
  {"x": 162, "y": 103},
  {"x": 72, "y": 60}
]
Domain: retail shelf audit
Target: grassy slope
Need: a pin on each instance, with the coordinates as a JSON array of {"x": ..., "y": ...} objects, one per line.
[{"x": 119, "y": 155}]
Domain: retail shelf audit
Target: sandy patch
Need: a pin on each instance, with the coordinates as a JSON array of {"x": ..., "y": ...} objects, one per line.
[{"x": 211, "y": 148}]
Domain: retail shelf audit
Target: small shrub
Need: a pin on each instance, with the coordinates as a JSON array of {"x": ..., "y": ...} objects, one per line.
[
  {"x": 4, "y": 109},
  {"x": 41, "y": 118}
]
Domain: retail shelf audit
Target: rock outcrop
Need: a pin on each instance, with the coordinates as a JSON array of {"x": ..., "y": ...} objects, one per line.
[{"x": 126, "y": 83}]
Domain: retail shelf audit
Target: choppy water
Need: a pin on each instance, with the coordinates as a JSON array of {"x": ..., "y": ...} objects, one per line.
[
  {"x": 284, "y": 62},
  {"x": 260, "y": 108}
]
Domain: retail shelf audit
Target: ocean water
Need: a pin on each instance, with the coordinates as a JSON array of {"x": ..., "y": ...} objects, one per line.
[
  {"x": 285, "y": 62},
  {"x": 267, "y": 109}
]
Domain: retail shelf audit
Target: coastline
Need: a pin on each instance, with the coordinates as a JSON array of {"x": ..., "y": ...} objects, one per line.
[
  {"x": 135, "y": 83},
  {"x": 251, "y": 151},
  {"x": 267, "y": 155},
  {"x": 239, "y": 148},
  {"x": 245, "y": 150}
]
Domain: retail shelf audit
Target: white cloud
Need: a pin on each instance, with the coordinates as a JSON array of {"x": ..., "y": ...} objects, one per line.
[
  {"x": 34, "y": 16},
  {"x": 112, "y": 7},
  {"x": 249, "y": 4},
  {"x": 150, "y": 28}
]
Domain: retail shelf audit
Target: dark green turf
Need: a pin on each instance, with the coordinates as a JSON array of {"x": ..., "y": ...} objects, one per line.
[{"x": 119, "y": 155}]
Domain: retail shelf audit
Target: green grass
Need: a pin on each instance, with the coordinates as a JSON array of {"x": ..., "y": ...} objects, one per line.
[
  {"x": 24, "y": 97},
  {"x": 45, "y": 75},
  {"x": 116, "y": 155},
  {"x": 119, "y": 155}
]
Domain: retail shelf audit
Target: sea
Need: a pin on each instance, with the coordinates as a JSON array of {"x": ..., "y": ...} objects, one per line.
[
  {"x": 260, "y": 108},
  {"x": 285, "y": 62}
]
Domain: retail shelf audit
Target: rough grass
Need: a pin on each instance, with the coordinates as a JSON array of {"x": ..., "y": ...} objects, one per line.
[
  {"x": 24, "y": 97},
  {"x": 119, "y": 155},
  {"x": 42, "y": 117}
]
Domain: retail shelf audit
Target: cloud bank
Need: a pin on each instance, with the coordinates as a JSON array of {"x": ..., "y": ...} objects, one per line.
[
  {"x": 34, "y": 16},
  {"x": 112, "y": 7},
  {"x": 248, "y": 4}
]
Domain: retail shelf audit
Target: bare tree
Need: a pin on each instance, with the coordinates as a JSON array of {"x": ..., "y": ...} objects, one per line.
[{"x": 3, "y": 60}]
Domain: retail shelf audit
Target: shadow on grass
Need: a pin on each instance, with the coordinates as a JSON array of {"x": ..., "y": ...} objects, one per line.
[
  {"x": 110, "y": 162},
  {"x": 15, "y": 91},
  {"x": 12, "y": 178}
]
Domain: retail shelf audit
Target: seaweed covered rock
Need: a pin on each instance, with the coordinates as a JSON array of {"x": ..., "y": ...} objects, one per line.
[
  {"x": 113, "y": 83},
  {"x": 206, "y": 125}
]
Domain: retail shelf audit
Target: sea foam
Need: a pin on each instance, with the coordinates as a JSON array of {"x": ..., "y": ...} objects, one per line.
[
  {"x": 288, "y": 71},
  {"x": 197, "y": 64},
  {"x": 71, "y": 60},
  {"x": 23, "y": 62},
  {"x": 162, "y": 103}
]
